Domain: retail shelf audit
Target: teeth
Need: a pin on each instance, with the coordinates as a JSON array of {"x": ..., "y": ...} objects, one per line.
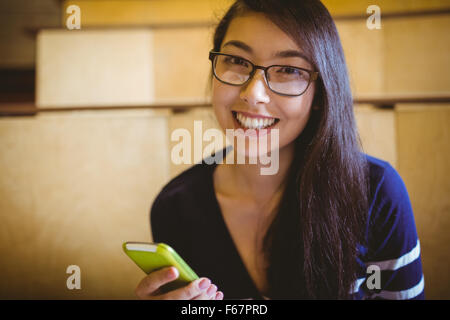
[
  {"x": 248, "y": 123},
  {"x": 253, "y": 123}
]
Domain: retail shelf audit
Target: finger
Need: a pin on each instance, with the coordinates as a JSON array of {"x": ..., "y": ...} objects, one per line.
[
  {"x": 219, "y": 295},
  {"x": 153, "y": 281},
  {"x": 192, "y": 290},
  {"x": 213, "y": 295},
  {"x": 208, "y": 294}
]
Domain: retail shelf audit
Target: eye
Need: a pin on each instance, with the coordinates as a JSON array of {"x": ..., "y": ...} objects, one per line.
[
  {"x": 236, "y": 61},
  {"x": 290, "y": 71}
]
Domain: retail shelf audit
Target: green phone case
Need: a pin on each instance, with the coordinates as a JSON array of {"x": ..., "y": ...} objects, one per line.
[{"x": 153, "y": 256}]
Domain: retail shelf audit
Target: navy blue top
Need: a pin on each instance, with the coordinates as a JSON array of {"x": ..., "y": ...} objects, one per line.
[{"x": 186, "y": 212}]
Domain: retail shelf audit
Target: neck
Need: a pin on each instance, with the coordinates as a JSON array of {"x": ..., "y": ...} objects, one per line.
[{"x": 249, "y": 182}]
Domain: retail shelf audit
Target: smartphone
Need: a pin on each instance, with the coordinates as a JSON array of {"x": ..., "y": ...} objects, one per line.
[{"x": 153, "y": 256}]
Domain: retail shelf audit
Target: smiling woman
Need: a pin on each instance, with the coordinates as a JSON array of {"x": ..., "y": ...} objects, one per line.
[{"x": 329, "y": 214}]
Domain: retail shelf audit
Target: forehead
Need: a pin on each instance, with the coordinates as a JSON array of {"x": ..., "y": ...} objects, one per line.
[{"x": 261, "y": 34}]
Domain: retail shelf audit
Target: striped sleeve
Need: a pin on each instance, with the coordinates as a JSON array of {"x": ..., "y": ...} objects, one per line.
[{"x": 393, "y": 244}]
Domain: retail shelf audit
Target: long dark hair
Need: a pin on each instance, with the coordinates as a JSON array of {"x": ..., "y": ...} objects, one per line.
[{"x": 311, "y": 244}]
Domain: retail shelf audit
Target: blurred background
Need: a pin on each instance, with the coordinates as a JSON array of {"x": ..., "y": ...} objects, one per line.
[{"x": 86, "y": 117}]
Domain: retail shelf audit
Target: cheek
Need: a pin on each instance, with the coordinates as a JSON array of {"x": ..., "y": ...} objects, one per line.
[
  {"x": 296, "y": 122},
  {"x": 296, "y": 115},
  {"x": 223, "y": 98},
  {"x": 222, "y": 94},
  {"x": 298, "y": 108}
]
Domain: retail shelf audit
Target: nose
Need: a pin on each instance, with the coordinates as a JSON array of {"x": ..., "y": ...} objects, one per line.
[{"x": 255, "y": 91}]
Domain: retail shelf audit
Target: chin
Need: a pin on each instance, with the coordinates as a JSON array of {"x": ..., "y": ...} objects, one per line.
[{"x": 251, "y": 151}]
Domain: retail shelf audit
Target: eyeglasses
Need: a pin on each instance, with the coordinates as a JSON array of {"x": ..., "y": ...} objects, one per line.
[{"x": 284, "y": 80}]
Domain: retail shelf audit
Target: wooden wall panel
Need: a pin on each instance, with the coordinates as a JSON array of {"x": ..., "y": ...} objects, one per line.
[
  {"x": 17, "y": 46},
  {"x": 377, "y": 130},
  {"x": 417, "y": 55},
  {"x": 95, "y": 67},
  {"x": 424, "y": 164},
  {"x": 140, "y": 12},
  {"x": 73, "y": 188},
  {"x": 181, "y": 70},
  {"x": 363, "y": 49},
  {"x": 358, "y": 7}
]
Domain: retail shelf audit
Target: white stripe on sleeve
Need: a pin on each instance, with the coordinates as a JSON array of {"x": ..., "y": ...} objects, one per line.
[
  {"x": 403, "y": 295},
  {"x": 357, "y": 285},
  {"x": 395, "y": 264}
]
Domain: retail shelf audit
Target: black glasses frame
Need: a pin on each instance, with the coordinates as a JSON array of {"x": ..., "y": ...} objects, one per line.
[{"x": 313, "y": 75}]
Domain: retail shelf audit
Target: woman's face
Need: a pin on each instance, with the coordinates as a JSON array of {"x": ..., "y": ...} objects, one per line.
[{"x": 257, "y": 39}]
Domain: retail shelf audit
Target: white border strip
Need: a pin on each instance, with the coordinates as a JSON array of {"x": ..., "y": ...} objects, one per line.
[{"x": 141, "y": 247}]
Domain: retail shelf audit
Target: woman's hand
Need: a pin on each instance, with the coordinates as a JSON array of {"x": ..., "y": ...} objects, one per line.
[{"x": 200, "y": 289}]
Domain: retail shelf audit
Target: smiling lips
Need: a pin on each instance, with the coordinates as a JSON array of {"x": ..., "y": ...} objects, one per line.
[{"x": 252, "y": 122}]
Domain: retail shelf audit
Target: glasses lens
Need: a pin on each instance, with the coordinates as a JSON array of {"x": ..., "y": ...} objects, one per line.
[
  {"x": 288, "y": 80},
  {"x": 233, "y": 70}
]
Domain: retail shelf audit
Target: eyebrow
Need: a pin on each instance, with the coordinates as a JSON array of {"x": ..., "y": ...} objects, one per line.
[{"x": 278, "y": 54}]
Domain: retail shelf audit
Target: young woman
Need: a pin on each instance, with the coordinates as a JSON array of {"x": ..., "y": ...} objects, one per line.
[{"x": 333, "y": 222}]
